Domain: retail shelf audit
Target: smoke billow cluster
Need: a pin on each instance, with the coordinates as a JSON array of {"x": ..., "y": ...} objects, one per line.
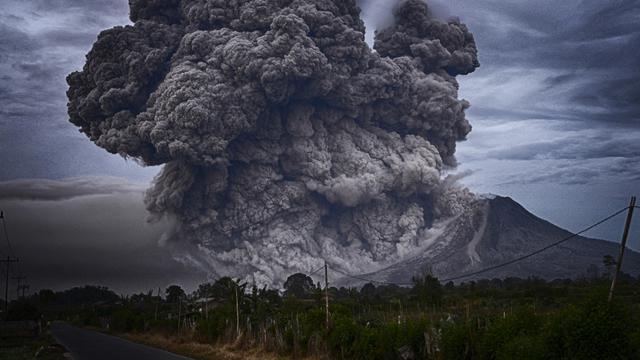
[{"x": 286, "y": 140}]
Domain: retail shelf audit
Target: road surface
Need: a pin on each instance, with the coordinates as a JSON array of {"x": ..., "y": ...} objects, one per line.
[{"x": 91, "y": 345}]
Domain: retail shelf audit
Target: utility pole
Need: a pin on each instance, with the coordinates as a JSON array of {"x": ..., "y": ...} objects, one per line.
[
  {"x": 179, "y": 310},
  {"x": 18, "y": 287},
  {"x": 237, "y": 314},
  {"x": 9, "y": 260},
  {"x": 326, "y": 293},
  {"x": 155, "y": 317},
  {"x": 623, "y": 245}
]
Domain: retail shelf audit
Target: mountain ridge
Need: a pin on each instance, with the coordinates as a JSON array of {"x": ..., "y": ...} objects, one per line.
[{"x": 495, "y": 230}]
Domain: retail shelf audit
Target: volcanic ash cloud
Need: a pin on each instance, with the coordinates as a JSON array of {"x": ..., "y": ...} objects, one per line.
[{"x": 286, "y": 139}]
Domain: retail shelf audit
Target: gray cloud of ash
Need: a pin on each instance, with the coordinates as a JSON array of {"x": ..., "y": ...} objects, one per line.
[{"x": 286, "y": 140}]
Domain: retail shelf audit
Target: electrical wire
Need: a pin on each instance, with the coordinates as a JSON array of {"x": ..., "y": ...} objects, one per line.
[
  {"x": 18, "y": 268},
  {"x": 539, "y": 250},
  {"x": 370, "y": 280},
  {"x": 494, "y": 267},
  {"x": 6, "y": 235},
  {"x": 316, "y": 270}
]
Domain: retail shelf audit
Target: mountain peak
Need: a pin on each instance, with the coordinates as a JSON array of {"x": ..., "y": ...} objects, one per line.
[{"x": 496, "y": 230}]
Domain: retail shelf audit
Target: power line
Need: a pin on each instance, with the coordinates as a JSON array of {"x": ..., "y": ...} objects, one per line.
[
  {"x": 316, "y": 270},
  {"x": 502, "y": 264},
  {"x": 11, "y": 253},
  {"x": 9, "y": 260},
  {"x": 6, "y": 234},
  {"x": 369, "y": 280},
  {"x": 539, "y": 250}
]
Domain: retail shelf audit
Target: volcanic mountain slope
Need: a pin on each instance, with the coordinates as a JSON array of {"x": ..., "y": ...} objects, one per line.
[{"x": 497, "y": 230}]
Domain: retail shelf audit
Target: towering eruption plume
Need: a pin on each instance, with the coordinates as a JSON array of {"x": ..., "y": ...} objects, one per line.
[{"x": 286, "y": 139}]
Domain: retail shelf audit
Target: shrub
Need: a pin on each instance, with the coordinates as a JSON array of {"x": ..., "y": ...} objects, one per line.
[
  {"x": 214, "y": 326},
  {"x": 591, "y": 330},
  {"x": 510, "y": 334},
  {"x": 342, "y": 336},
  {"x": 458, "y": 341},
  {"x": 126, "y": 320}
]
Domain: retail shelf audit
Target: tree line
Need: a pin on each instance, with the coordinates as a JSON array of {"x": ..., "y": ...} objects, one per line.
[{"x": 486, "y": 319}]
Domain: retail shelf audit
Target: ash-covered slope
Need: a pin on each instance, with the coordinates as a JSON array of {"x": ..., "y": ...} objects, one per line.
[{"x": 497, "y": 230}]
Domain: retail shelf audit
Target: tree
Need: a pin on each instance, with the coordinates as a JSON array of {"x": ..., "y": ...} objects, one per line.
[
  {"x": 205, "y": 290},
  {"x": 174, "y": 293},
  {"x": 46, "y": 296},
  {"x": 427, "y": 289},
  {"x": 222, "y": 289},
  {"x": 300, "y": 286},
  {"x": 368, "y": 290}
]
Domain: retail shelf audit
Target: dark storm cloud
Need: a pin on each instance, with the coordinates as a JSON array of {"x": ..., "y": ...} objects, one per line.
[
  {"x": 53, "y": 190},
  {"x": 38, "y": 50},
  {"x": 609, "y": 171},
  {"x": 24, "y": 71},
  {"x": 568, "y": 73},
  {"x": 40, "y": 42},
  {"x": 88, "y": 7},
  {"x": 88, "y": 231},
  {"x": 74, "y": 231},
  {"x": 577, "y": 148},
  {"x": 593, "y": 47}
]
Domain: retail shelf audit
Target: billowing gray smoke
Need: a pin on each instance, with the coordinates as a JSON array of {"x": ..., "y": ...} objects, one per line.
[{"x": 286, "y": 140}]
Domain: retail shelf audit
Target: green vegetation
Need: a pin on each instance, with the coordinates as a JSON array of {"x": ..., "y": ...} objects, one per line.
[
  {"x": 42, "y": 346},
  {"x": 488, "y": 319}
]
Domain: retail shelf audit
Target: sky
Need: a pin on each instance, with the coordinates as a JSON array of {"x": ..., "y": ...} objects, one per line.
[{"x": 555, "y": 114}]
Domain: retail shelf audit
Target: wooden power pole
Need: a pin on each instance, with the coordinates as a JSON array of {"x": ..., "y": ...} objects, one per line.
[
  {"x": 155, "y": 316},
  {"x": 179, "y": 311},
  {"x": 623, "y": 245},
  {"x": 8, "y": 260},
  {"x": 237, "y": 314},
  {"x": 326, "y": 293},
  {"x": 18, "y": 279}
]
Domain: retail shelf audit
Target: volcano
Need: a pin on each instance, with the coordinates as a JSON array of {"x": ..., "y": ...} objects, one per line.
[{"x": 496, "y": 230}]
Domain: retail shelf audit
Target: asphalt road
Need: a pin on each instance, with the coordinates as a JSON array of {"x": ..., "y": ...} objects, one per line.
[{"x": 90, "y": 345}]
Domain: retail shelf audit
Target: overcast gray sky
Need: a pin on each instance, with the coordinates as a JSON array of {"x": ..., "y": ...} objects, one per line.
[{"x": 555, "y": 115}]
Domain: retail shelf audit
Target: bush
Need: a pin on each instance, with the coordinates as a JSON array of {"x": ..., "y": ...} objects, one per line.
[
  {"x": 512, "y": 335},
  {"x": 214, "y": 326},
  {"x": 592, "y": 330},
  {"x": 458, "y": 341},
  {"x": 342, "y": 336},
  {"x": 23, "y": 310},
  {"x": 522, "y": 347},
  {"x": 126, "y": 320}
]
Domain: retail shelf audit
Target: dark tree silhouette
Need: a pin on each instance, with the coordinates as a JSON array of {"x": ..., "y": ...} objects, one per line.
[
  {"x": 299, "y": 286},
  {"x": 174, "y": 293},
  {"x": 427, "y": 289}
]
